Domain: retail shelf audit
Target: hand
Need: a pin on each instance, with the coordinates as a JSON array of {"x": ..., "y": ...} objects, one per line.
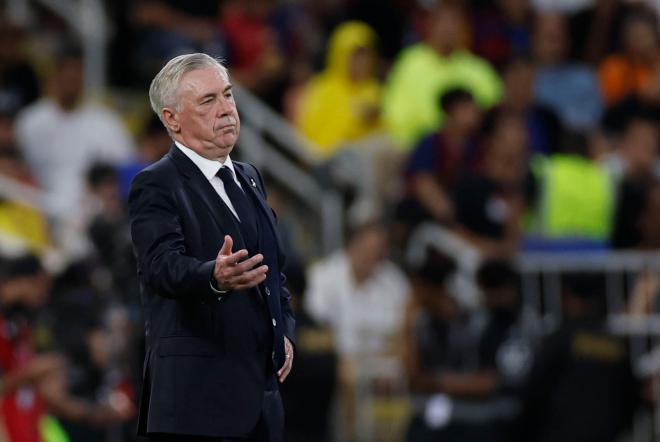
[
  {"x": 116, "y": 409},
  {"x": 230, "y": 274},
  {"x": 42, "y": 365},
  {"x": 288, "y": 360}
]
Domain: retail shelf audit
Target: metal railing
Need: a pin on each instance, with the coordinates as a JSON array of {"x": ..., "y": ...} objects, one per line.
[
  {"x": 541, "y": 276},
  {"x": 277, "y": 149}
]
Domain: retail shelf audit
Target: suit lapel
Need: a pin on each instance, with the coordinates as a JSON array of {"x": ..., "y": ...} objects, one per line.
[
  {"x": 249, "y": 182},
  {"x": 200, "y": 186}
]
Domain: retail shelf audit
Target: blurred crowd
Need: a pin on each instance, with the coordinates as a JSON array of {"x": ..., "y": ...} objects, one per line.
[{"x": 503, "y": 126}]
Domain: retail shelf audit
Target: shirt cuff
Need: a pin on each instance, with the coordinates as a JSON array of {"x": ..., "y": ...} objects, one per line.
[{"x": 216, "y": 290}]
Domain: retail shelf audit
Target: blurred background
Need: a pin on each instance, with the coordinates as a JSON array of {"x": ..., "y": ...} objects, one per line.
[{"x": 468, "y": 193}]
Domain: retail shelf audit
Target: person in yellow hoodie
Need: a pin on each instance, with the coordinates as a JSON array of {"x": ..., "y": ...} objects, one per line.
[{"x": 341, "y": 104}]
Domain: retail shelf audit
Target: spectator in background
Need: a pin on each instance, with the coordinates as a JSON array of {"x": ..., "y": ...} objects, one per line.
[
  {"x": 359, "y": 292},
  {"x": 644, "y": 101},
  {"x": 360, "y": 295},
  {"x": 109, "y": 231},
  {"x": 630, "y": 69},
  {"x": 440, "y": 358},
  {"x": 62, "y": 135},
  {"x": 581, "y": 386},
  {"x": 153, "y": 143},
  {"x": 440, "y": 158},
  {"x": 342, "y": 103},
  {"x": 489, "y": 203},
  {"x": 426, "y": 70},
  {"x": 309, "y": 392},
  {"x": 543, "y": 126},
  {"x": 166, "y": 28},
  {"x": 24, "y": 288},
  {"x": 91, "y": 375},
  {"x": 22, "y": 227},
  {"x": 569, "y": 88},
  {"x": 253, "y": 47},
  {"x": 639, "y": 162},
  {"x": 19, "y": 85},
  {"x": 573, "y": 203},
  {"x": 507, "y": 337},
  {"x": 7, "y": 127},
  {"x": 501, "y": 31},
  {"x": 34, "y": 384},
  {"x": 649, "y": 219}
]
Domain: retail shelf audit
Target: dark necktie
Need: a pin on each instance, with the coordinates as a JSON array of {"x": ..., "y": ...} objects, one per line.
[{"x": 243, "y": 206}]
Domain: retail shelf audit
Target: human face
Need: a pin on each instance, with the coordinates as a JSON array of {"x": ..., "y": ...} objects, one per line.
[
  {"x": 445, "y": 29},
  {"x": 550, "y": 42},
  {"x": 69, "y": 82},
  {"x": 506, "y": 159},
  {"x": 640, "y": 147},
  {"x": 640, "y": 39},
  {"x": 519, "y": 85},
  {"x": 467, "y": 115},
  {"x": 205, "y": 118},
  {"x": 361, "y": 66}
]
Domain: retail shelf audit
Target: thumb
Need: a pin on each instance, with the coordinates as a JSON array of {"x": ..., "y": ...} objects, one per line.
[{"x": 226, "y": 246}]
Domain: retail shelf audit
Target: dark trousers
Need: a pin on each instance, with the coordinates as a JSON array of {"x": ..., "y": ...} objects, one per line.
[{"x": 270, "y": 427}]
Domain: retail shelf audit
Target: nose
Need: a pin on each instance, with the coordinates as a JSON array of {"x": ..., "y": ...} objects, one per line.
[{"x": 225, "y": 107}]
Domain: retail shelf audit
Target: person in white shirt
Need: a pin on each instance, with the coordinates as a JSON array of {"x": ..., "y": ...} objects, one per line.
[
  {"x": 360, "y": 295},
  {"x": 359, "y": 292},
  {"x": 62, "y": 135}
]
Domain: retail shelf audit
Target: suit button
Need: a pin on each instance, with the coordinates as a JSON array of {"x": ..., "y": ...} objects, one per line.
[
  {"x": 273, "y": 355},
  {"x": 267, "y": 291},
  {"x": 274, "y": 322},
  {"x": 219, "y": 298}
]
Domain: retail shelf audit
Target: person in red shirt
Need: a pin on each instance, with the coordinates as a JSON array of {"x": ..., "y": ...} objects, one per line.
[
  {"x": 23, "y": 287},
  {"x": 33, "y": 384}
]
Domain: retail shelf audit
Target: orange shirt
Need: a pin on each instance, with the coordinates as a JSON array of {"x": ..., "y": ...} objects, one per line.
[{"x": 620, "y": 76}]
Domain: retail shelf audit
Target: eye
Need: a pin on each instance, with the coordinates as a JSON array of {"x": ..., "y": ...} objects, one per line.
[{"x": 229, "y": 95}]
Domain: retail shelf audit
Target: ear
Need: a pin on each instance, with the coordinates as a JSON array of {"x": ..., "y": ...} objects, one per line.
[{"x": 171, "y": 119}]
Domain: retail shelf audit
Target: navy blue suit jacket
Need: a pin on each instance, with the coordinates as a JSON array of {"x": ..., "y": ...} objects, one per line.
[{"x": 203, "y": 373}]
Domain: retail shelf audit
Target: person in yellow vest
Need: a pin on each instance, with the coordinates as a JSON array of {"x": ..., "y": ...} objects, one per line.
[{"x": 575, "y": 195}]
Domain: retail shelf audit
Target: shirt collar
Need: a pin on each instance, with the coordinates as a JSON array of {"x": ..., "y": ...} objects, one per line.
[{"x": 209, "y": 168}]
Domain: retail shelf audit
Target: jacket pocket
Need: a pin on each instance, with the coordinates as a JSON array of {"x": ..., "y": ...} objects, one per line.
[{"x": 186, "y": 346}]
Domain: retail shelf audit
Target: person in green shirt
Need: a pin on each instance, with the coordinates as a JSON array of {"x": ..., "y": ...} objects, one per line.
[{"x": 423, "y": 71}]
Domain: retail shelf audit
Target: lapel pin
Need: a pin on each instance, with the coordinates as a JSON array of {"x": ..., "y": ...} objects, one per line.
[{"x": 252, "y": 182}]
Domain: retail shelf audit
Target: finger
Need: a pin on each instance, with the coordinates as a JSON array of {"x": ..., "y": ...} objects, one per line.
[
  {"x": 236, "y": 276},
  {"x": 247, "y": 277},
  {"x": 226, "y": 246},
  {"x": 248, "y": 264},
  {"x": 285, "y": 370},
  {"x": 250, "y": 283},
  {"x": 232, "y": 259}
]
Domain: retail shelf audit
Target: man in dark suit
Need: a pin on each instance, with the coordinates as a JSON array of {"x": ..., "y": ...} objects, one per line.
[{"x": 218, "y": 322}]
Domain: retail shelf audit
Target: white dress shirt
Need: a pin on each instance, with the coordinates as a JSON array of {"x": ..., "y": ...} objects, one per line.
[{"x": 209, "y": 169}]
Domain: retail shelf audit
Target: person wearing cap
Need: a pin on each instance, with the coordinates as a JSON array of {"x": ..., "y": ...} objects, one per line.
[{"x": 218, "y": 319}]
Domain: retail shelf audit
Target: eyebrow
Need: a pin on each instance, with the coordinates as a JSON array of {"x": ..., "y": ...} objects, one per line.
[{"x": 213, "y": 94}]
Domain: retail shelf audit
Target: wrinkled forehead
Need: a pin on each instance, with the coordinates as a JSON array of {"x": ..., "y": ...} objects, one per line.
[{"x": 202, "y": 81}]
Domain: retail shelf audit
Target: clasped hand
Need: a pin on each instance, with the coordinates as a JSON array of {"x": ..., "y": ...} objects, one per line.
[{"x": 233, "y": 271}]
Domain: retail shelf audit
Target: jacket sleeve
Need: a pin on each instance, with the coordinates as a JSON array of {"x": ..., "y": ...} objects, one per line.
[{"x": 159, "y": 244}]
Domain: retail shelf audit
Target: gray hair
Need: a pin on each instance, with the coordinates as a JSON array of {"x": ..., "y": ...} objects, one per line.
[{"x": 165, "y": 85}]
